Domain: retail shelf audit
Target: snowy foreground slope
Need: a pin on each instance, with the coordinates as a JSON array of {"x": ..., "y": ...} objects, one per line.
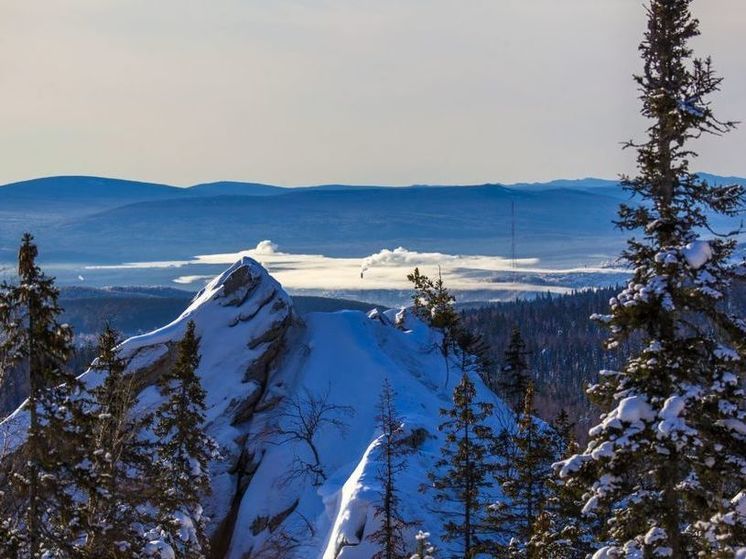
[{"x": 258, "y": 359}]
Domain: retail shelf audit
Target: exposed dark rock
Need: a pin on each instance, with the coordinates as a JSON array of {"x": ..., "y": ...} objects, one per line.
[
  {"x": 149, "y": 375},
  {"x": 243, "y": 410},
  {"x": 278, "y": 519},
  {"x": 271, "y": 296},
  {"x": 238, "y": 286},
  {"x": 416, "y": 438}
]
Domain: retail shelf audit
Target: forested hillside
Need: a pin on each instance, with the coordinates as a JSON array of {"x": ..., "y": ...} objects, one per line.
[{"x": 565, "y": 348}]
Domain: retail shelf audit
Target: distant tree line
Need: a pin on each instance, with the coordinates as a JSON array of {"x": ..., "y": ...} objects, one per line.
[
  {"x": 564, "y": 349},
  {"x": 551, "y": 341}
]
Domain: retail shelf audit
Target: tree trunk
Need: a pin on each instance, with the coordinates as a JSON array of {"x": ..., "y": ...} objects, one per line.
[{"x": 32, "y": 516}]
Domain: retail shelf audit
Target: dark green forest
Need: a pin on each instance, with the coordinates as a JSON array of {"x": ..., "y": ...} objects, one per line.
[{"x": 565, "y": 346}]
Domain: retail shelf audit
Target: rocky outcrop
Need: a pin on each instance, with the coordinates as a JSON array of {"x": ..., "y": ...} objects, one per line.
[{"x": 242, "y": 318}]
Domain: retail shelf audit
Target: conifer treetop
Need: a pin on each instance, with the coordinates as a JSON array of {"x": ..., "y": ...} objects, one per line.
[{"x": 670, "y": 448}]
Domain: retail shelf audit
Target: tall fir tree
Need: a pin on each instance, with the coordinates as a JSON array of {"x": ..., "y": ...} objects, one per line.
[
  {"x": 560, "y": 531},
  {"x": 465, "y": 470},
  {"x": 514, "y": 374},
  {"x": 391, "y": 453},
  {"x": 425, "y": 549},
  {"x": 564, "y": 433},
  {"x": 434, "y": 304},
  {"x": 51, "y": 466},
  {"x": 119, "y": 458},
  {"x": 183, "y": 452},
  {"x": 524, "y": 482},
  {"x": 668, "y": 459}
]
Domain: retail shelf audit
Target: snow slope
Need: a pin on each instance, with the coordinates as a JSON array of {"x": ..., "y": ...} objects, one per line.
[
  {"x": 348, "y": 355},
  {"x": 257, "y": 359}
]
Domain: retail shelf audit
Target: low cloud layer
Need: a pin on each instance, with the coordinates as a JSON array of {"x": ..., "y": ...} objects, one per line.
[
  {"x": 402, "y": 257},
  {"x": 384, "y": 270}
]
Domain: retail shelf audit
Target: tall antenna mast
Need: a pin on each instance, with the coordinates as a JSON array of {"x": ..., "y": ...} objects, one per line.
[{"x": 512, "y": 235}]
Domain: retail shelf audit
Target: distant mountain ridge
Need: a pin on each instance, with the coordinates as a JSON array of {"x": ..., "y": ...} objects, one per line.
[
  {"x": 128, "y": 191},
  {"x": 82, "y": 221},
  {"x": 469, "y": 220}
]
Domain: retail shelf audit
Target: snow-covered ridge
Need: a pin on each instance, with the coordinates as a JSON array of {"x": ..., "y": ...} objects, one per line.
[{"x": 257, "y": 361}]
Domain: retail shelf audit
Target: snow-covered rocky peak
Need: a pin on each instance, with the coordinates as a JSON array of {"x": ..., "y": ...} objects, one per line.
[
  {"x": 241, "y": 319},
  {"x": 274, "y": 495}
]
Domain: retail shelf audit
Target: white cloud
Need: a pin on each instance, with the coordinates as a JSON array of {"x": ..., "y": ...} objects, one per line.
[
  {"x": 265, "y": 247},
  {"x": 400, "y": 256},
  {"x": 188, "y": 280},
  {"x": 384, "y": 270}
]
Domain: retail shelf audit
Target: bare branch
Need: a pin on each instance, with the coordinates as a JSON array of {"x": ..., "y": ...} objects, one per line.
[{"x": 300, "y": 421}]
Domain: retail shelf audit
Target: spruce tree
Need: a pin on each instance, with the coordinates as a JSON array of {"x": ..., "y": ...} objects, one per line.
[
  {"x": 119, "y": 459},
  {"x": 524, "y": 486},
  {"x": 183, "y": 452},
  {"x": 390, "y": 451},
  {"x": 434, "y": 304},
  {"x": 563, "y": 430},
  {"x": 465, "y": 470},
  {"x": 545, "y": 542},
  {"x": 560, "y": 532},
  {"x": 514, "y": 375},
  {"x": 11, "y": 538},
  {"x": 425, "y": 549},
  {"x": 51, "y": 465},
  {"x": 668, "y": 459}
]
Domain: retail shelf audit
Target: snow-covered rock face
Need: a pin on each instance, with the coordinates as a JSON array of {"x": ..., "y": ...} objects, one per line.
[
  {"x": 241, "y": 319},
  {"x": 258, "y": 363},
  {"x": 343, "y": 359}
]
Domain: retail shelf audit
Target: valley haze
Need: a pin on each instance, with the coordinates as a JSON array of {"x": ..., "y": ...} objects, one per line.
[{"x": 331, "y": 240}]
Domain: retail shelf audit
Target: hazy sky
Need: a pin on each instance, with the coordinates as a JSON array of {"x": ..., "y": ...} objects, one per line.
[{"x": 353, "y": 91}]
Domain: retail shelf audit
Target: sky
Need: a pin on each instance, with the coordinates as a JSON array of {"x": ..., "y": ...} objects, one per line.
[{"x": 299, "y": 92}]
